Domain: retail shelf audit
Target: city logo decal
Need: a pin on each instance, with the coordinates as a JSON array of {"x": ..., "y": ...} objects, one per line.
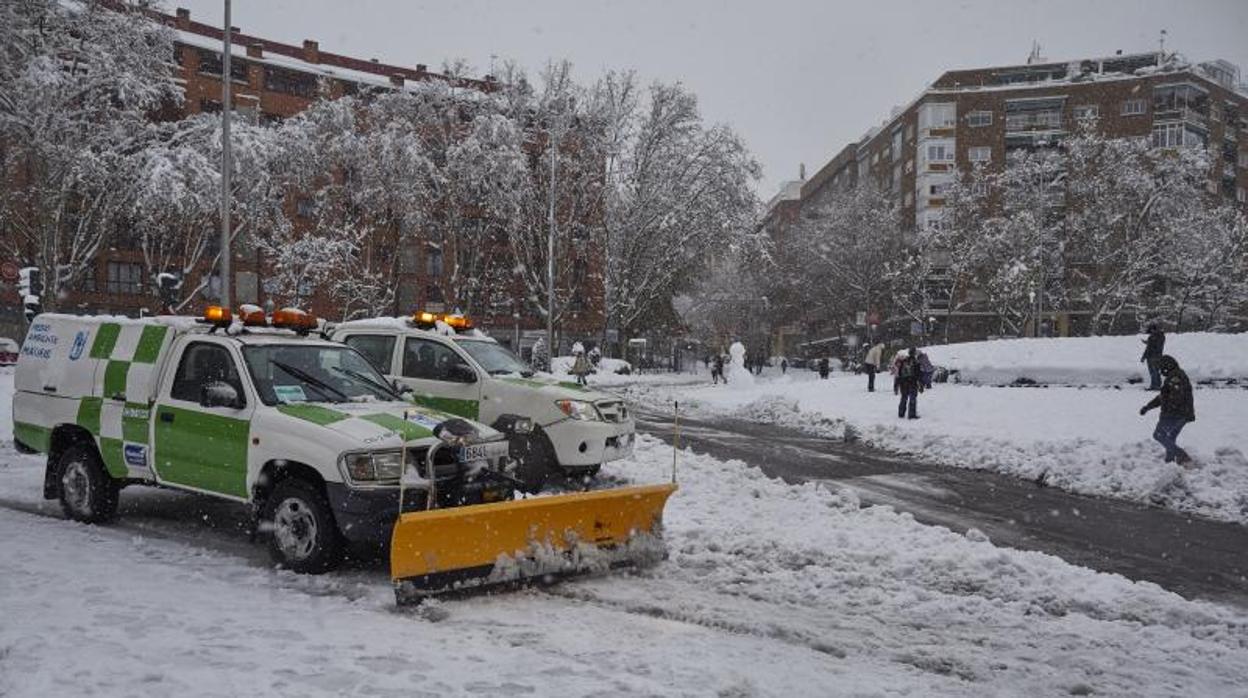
[
  {"x": 136, "y": 455},
  {"x": 80, "y": 343}
]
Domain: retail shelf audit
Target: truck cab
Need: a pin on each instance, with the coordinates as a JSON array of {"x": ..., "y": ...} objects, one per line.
[
  {"x": 449, "y": 365},
  {"x": 256, "y": 410}
]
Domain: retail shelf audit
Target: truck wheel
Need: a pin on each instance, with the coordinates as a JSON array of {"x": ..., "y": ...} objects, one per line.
[
  {"x": 88, "y": 492},
  {"x": 305, "y": 536},
  {"x": 536, "y": 460}
]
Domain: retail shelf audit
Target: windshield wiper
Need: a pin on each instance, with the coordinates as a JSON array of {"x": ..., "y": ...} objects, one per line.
[
  {"x": 380, "y": 387},
  {"x": 312, "y": 380}
]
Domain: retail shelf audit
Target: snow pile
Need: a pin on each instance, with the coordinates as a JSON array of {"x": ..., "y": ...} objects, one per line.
[
  {"x": 1205, "y": 356},
  {"x": 1087, "y": 440},
  {"x": 561, "y": 365}
]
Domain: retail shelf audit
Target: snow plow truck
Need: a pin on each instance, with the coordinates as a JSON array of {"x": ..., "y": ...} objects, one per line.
[{"x": 260, "y": 409}]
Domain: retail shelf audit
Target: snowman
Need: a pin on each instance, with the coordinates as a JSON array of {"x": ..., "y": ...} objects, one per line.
[{"x": 737, "y": 375}]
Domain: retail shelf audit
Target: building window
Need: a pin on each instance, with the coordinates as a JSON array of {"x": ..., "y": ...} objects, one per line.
[
  {"x": 209, "y": 106},
  {"x": 937, "y": 189},
  {"x": 210, "y": 63},
  {"x": 979, "y": 188},
  {"x": 1242, "y": 195},
  {"x": 1086, "y": 111},
  {"x": 1041, "y": 120},
  {"x": 979, "y": 118},
  {"x": 305, "y": 207},
  {"x": 938, "y": 115},
  {"x": 910, "y": 133},
  {"x": 1176, "y": 136},
  {"x": 896, "y": 176},
  {"x": 1175, "y": 100},
  {"x": 940, "y": 152},
  {"x": 875, "y": 158},
  {"x": 1133, "y": 107},
  {"x": 88, "y": 283},
  {"x": 124, "y": 277},
  {"x": 979, "y": 153},
  {"x": 291, "y": 82},
  {"x": 433, "y": 262}
]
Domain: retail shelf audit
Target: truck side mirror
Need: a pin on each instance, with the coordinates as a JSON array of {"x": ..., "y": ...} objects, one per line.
[
  {"x": 462, "y": 373},
  {"x": 400, "y": 388},
  {"x": 219, "y": 394}
]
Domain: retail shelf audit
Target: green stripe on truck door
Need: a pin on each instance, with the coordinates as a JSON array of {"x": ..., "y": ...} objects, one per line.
[
  {"x": 148, "y": 348},
  {"x": 202, "y": 450}
]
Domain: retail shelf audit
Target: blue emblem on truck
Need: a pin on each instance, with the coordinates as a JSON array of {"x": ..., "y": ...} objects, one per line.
[
  {"x": 80, "y": 343},
  {"x": 136, "y": 455}
]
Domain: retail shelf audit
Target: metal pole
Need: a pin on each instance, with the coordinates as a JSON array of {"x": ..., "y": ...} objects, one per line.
[
  {"x": 550, "y": 257},
  {"x": 227, "y": 106}
]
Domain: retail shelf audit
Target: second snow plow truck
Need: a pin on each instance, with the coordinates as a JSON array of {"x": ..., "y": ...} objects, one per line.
[{"x": 256, "y": 409}]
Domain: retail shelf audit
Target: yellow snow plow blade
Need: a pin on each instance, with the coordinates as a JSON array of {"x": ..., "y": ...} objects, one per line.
[{"x": 464, "y": 547}]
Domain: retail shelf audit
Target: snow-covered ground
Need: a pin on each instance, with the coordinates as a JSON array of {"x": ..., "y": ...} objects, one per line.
[
  {"x": 1205, "y": 356},
  {"x": 606, "y": 375},
  {"x": 1087, "y": 440},
  {"x": 771, "y": 589}
]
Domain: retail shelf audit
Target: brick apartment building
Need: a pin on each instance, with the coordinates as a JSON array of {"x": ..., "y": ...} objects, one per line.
[
  {"x": 976, "y": 116},
  {"x": 271, "y": 81}
]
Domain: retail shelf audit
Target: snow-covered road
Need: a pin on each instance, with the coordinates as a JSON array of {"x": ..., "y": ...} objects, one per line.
[{"x": 771, "y": 589}]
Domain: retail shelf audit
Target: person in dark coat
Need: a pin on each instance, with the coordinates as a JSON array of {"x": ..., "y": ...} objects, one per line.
[
  {"x": 784, "y": 366},
  {"x": 1177, "y": 408},
  {"x": 717, "y": 369},
  {"x": 823, "y": 367},
  {"x": 1154, "y": 347},
  {"x": 909, "y": 383}
]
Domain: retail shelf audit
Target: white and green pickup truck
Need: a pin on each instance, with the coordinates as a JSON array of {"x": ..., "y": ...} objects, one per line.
[
  {"x": 452, "y": 367},
  {"x": 302, "y": 429}
]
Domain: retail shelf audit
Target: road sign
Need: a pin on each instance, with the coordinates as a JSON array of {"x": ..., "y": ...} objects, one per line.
[
  {"x": 860, "y": 318},
  {"x": 916, "y": 328}
]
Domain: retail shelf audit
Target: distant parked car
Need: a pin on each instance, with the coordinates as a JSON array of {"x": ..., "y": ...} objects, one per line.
[{"x": 8, "y": 351}]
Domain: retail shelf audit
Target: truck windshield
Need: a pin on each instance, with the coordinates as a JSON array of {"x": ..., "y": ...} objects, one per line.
[
  {"x": 495, "y": 358},
  {"x": 285, "y": 373}
]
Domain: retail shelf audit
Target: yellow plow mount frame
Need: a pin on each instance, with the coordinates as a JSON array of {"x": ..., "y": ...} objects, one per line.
[{"x": 458, "y": 547}]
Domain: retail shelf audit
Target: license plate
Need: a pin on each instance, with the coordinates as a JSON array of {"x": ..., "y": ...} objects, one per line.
[{"x": 488, "y": 451}]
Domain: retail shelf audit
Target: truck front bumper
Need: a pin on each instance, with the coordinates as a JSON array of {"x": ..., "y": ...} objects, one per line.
[
  {"x": 581, "y": 444},
  {"x": 368, "y": 515}
]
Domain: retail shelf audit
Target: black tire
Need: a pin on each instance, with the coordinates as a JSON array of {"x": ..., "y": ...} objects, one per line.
[
  {"x": 584, "y": 471},
  {"x": 87, "y": 492},
  {"x": 304, "y": 536},
  {"x": 23, "y": 448},
  {"x": 536, "y": 460}
]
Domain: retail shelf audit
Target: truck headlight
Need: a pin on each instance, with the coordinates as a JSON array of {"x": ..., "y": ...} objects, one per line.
[
  {"x": 372, "y": 466},
  {"x": 579, "y": 409}
]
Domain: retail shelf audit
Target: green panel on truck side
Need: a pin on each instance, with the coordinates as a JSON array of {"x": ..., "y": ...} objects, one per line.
[
  {"x": 105, "y": 340},
  {"x": 135, "y": 419},
  {"x": 202, "y": 450},
  {"x": 148, "y": 348},
  {"x": 115, "y": 379},
  {"x": 89, "y": 414},
  {"x": 468, "y": 409},
  {"x": 112, "y": 450},
  {"x": 33, "y": 436}
]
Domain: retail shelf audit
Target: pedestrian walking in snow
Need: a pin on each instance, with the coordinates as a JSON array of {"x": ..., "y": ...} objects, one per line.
[
  {"x": 717, "y": 370},
  {"x": 1177, "y": 408},
  {"x": 1154, "y": 347},
  {"x": 580, "y": 364},
  {"x": 784, "y": 366},
  {"x": 926, "y": 370},
  {"x": 823, "y": 368},
  {"x": 909, "y": 384},
  {"x": 871, "y": 364},
  {"x": 895, "y": 367}
]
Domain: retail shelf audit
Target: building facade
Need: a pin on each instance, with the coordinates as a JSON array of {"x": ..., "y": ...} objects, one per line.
[{"x": 971, "y": 117}]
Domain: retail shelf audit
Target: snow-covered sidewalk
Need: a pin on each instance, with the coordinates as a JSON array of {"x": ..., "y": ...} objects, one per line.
[
  {"x": 1087, "y": 440},
  {"x": 770, "y": 590}
]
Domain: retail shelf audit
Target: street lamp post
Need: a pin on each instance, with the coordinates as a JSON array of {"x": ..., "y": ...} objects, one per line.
[
  {"x": 550, "y": 251},
  {"x": 227, "y": 106},
  {"x": 1031, "y": 306}
]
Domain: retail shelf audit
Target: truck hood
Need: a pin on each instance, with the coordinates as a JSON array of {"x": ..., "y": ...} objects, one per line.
[
  {"x": 377, "y": 424},
  {"x": 556, "y": 389}
]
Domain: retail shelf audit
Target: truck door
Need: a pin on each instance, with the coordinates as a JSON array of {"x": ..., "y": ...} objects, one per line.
[
  {"x": 440, "y": 377},
  {"x": 203, "y": 420}
]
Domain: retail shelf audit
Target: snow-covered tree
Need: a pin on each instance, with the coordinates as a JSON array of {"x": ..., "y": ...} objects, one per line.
[
  {"x": 78, "y": 84},
  {"x": 679, "y": 199}
]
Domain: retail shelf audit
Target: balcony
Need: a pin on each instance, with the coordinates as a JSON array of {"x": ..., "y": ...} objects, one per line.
[{"x": 1181, "y": 114}]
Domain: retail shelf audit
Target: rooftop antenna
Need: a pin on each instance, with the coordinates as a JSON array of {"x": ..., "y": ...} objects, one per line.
[
  {"x": 1034, "y": 56},
  {"x": 1161, "y": 42}
]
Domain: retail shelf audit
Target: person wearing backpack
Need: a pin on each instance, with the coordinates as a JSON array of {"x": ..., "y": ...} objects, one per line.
[
  {"x": 1177, "y": 408},
  {"x": 909, "y": 385}
]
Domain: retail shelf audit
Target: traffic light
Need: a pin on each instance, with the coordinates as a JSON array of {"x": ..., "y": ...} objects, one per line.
[{"x": 30, "y": 287}]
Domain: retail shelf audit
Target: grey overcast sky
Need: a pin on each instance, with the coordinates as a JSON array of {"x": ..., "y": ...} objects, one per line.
[{"x": 798, "y": 80}]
